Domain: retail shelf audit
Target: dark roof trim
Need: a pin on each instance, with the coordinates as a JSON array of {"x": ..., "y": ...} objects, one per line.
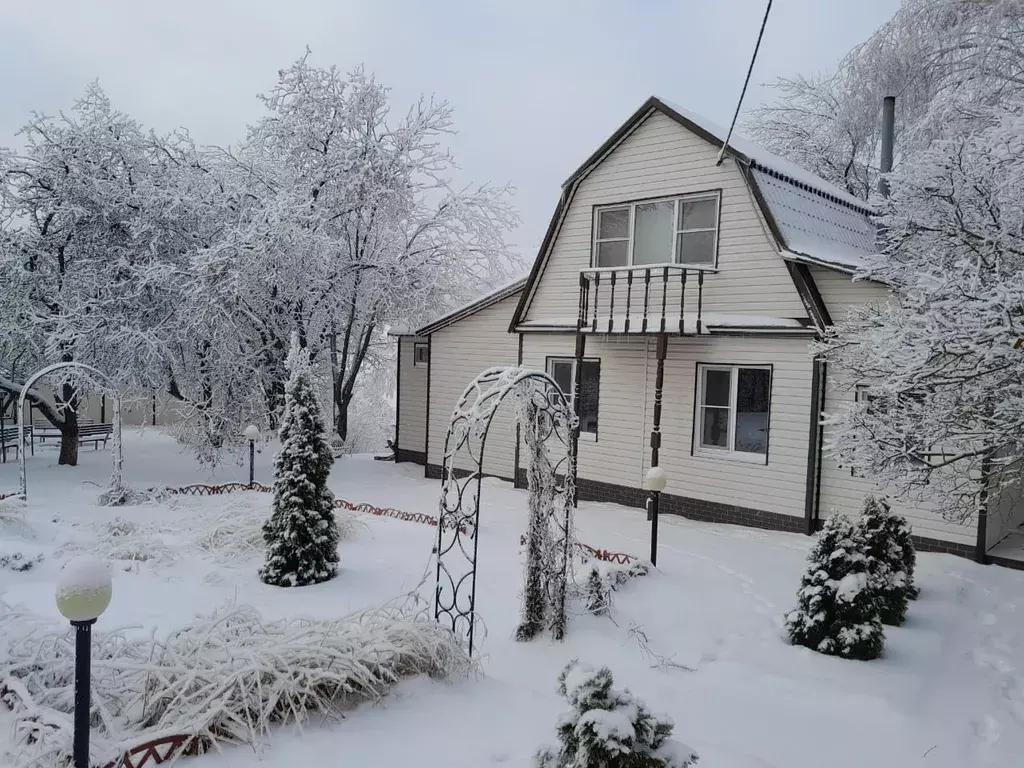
[{"x": 471, "y": 309}]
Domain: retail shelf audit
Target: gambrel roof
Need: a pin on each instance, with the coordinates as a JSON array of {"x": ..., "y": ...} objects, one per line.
[{"x": 811, "y": 220}]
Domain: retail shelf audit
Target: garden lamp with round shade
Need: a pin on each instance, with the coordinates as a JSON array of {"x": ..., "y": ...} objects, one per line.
[{"x": 83, "y": 593}]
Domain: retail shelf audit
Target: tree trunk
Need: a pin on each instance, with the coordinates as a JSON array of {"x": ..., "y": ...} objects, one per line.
[
  {"x": 69, "y": 428},
  {"x": 341, "y": 402}
]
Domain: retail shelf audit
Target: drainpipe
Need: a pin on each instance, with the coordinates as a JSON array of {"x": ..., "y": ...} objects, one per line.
[{"x": 813, "y": 475}]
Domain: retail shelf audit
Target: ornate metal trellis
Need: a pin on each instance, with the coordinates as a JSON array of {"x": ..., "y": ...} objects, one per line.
[
  {"x": 116, "y": 453},
  {"x": 548, "y": 426}
]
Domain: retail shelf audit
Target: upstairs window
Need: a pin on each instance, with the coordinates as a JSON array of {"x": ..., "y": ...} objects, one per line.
[
  {"x": 563, "y": 371},
  {"x": 732, "y": 411},
  {"x": 677, "y": 230},
  {"x": 420, "y": 355}
]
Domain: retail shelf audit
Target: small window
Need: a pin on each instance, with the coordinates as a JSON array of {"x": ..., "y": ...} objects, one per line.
[
  {"x": 862, "y": 394},
  {"x": 563, "y": 371},
  {"x": 420, "y": 355},
  {"x": 680, "y": 230},
  {"x": 733, "y": 410}
]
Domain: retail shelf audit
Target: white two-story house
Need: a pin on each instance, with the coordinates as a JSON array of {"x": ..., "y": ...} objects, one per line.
[{"x": 657, "y": 255}]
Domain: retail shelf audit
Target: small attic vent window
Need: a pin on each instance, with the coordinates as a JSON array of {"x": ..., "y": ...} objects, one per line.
[{"x": 420, "y": 355}]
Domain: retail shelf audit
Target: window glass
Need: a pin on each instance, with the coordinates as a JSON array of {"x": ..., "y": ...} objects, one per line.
[
  {"x": 715, "y": 428},
  {"x": 695, "y": 247},
  {"x": 589, "y": 394},
  {"x": 561, "y": 372},
  {"x": 613, "y": 253},
  {"x": 752, "y": 395},
  {"x": 652, "y": 236},
  {"x": 698, "y": 214},
  {"x": 716, "y": 387},
  {"x": 613, "y": 223}
]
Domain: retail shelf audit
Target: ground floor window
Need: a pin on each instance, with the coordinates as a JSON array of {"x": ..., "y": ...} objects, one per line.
[
  {"x": 563, "y": 371},
  {"x": 732, "y": 414}
]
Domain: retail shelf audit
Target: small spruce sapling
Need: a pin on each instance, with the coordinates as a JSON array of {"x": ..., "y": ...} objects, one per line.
[
  {"x": 609, "y": 728},
  {"x": 836, "y": 612},
  {"x": 887, "y": 578},
  {"x": 302, "y": 532}
]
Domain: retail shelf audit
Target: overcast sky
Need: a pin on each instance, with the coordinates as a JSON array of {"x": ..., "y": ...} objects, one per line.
[{"x": 536, "y": 85}]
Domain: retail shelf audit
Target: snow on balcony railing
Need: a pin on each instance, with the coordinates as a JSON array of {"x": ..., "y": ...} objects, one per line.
[{"x": 645, "y": 299}]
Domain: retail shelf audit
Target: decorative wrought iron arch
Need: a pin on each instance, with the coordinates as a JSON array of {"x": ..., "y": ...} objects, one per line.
[
  {"x": 546, "y": 419},
  {"x": 118, "y": 459}
]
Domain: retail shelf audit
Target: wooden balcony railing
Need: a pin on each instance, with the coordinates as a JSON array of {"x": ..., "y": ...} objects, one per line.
[{"x": 656, "y": 299}]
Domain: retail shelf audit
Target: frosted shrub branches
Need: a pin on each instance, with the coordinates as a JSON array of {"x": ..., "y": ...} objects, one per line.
[{"x": 944, "y": 416}]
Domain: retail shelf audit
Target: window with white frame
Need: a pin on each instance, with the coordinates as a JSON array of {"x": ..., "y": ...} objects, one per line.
[
  {"x": 563, "y": 371},
  {"x": 732, "y": 411},
  {"x": 420, "y": 355},
  {"x": 676, "y": 230}
]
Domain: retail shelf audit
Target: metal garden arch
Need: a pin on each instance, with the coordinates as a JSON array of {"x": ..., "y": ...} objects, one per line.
[
  {"x": 115, "y": 475},
  {"x": 548, "y": 424}
]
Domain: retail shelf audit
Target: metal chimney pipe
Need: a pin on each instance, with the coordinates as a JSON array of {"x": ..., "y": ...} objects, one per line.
[{"x": 888, "y": 130}]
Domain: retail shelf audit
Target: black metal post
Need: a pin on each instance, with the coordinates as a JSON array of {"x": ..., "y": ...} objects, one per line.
[
  {"x": 83, "y": 694},
  {"x": 652, "y": 514},
  {"x": 252, "y": 458}
]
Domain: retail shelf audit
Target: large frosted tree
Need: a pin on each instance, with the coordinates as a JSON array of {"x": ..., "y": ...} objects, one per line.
[{"x": 942, "y": 417}]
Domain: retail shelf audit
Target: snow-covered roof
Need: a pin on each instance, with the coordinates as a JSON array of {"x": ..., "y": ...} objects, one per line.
[{"x": 504, "y": 292}]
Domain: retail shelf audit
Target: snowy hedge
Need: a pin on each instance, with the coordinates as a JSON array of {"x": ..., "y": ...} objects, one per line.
[{"x": 226, "y": 678}]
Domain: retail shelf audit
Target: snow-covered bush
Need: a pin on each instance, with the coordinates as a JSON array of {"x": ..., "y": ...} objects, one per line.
[
  {"x": 302, "y": 533},
  {"x": 18, "y": 561},
  {"x": 599, "y": 578},
  {"x": 901, "y": 534},
  {"x": 885, "y": 561},
  {"x": 609, "y": 728},
  {"x": 125, "y": 496},
  {"x": 125, "y": 540},
  {"x": 836, "y": 612},
  {"x": 226, "y": 678}
]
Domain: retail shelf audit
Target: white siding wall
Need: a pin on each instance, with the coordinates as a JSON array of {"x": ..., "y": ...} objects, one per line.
[
  {"x": 412, "y": 397},
  {"x": 136, "y": 411},
  {"x": 840, "y": 292},
  {"x": 662, "y": 158},
  {"x": 777, "y": 486},
  {"x": 617, "y": 455},
  {"x": 460, "y": 352},
  {"x": 839, "y": 489}
]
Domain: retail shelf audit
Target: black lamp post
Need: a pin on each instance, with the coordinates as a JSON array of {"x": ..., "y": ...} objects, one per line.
[
  {"x": 655, "y": 481},
  {"x": 83, "y": 593},
  {"x": 252, "y": 434}
]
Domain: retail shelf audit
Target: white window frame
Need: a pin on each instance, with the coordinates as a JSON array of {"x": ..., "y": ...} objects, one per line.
[
  {"x": 416, "y": 347},
  {"x": 729, "y": 452},
  {"x": 677, "y": 200},
  {"x": 571, "y": 396}
]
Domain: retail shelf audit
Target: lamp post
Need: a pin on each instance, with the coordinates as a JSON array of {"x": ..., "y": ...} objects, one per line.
[
  {"x": 655, "y": 482},
  {"x": 83, "y": 593},
  {"x": 252, "y": 434}
]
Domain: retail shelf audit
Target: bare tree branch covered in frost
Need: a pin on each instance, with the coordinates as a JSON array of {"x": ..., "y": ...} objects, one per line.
[
  {"x": 185, "y": 269},
  {"x": 946, "y": 61},
  {"x": 944, "y": 413}
]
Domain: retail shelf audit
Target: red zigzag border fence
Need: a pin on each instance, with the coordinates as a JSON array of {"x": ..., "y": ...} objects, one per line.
[{"x": 168, "y": 748}]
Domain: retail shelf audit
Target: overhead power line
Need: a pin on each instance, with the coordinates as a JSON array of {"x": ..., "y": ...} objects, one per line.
[{"x": 750, "y": 70}]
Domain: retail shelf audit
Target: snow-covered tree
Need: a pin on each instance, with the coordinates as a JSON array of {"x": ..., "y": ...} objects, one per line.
[
  {"x": 836, "y": 612},
  {"x": 84, "y": 279},
  {"x": 946, "y": 61},
  {"x": 610, "y": 728},
  {"x": 302, "y": 532},
  {"x": 943, "y": 419},
  {"x": 885, "y": 561}
]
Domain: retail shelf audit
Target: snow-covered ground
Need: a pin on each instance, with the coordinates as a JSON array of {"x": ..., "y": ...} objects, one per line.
[{"x": 949, "y": 691}]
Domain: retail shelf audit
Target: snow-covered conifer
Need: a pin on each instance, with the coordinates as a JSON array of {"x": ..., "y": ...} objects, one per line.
[
  {"x": 836, "y": 612},
  {"x": 610, "y": 728},
  {"x": 885, "y": 561},
  {"x": 900, "y": 533},
  {"x": 302, "y": 532}
]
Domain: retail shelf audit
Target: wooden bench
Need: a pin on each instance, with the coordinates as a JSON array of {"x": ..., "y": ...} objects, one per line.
[
  {"x": 43, "y": 430},
  {"x": 87, "y": 433},
  {"x": 9, "y": 439}
]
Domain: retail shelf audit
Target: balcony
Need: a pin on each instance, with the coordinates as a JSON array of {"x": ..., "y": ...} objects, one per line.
[{"x": 652, "y": 299}]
